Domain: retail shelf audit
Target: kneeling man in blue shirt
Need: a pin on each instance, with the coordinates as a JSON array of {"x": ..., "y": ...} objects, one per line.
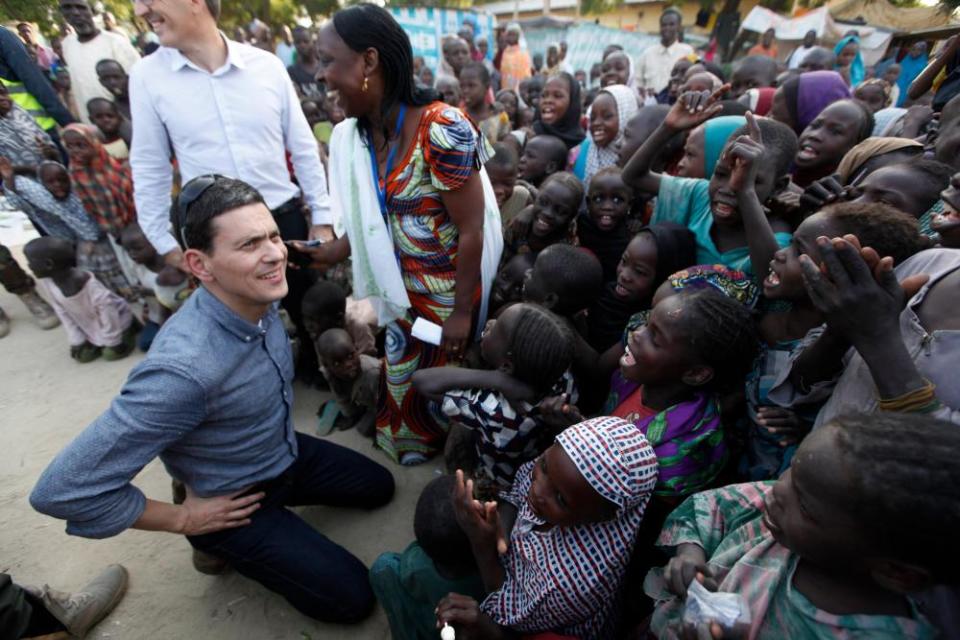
[{"x": 213, "y": 399}]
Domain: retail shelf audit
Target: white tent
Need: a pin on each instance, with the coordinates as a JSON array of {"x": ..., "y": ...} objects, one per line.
[{"x": 790, "y": 31}]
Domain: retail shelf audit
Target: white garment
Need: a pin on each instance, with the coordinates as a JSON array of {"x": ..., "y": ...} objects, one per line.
[
  {"x": 656, "y": 62},
  {"x": 287, "y": 53},
  {"x": 237, "y": 121},
  {"x": 82, "y": 59},
  {"x": 796, "y": 58},
  {"x": 94, "y": 314},
  {"x": 376, "y": 274}
]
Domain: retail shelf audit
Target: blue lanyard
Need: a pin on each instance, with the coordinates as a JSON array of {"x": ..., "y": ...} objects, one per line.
[{"x": 382, "y": 193}]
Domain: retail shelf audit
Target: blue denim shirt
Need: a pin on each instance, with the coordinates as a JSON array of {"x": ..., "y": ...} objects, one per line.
[{"x": 213, "y": 399}]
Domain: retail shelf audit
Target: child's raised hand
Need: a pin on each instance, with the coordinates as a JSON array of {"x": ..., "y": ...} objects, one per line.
[
  {"x": 745, "y": 153},
  {"x": 557, "y": 412},
  {"x": 859, "y": 303},
  {"x": 479, "y": 520},
  {"x": 695, "y": 107}
]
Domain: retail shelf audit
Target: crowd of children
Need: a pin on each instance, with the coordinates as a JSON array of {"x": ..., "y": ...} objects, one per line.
[
  {"x": 704, "y": 281},
  {"x": 721, "y": 348}
]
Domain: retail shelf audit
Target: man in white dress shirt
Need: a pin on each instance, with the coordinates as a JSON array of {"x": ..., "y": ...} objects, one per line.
[
  {"x": 656, "y": 62},
  {"x": 222, "y": 107}
]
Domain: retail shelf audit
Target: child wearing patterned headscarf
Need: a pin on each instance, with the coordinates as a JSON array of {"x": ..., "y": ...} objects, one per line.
[
  {"x": 611, "y": 110},
  {"x": 575, "y": 512}
]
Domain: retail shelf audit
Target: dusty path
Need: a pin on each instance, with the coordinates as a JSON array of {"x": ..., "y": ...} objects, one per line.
[{"x": 45, "y": 400}]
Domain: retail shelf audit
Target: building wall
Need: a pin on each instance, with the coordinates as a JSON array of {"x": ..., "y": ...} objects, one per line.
[{"x": 635, "y": 17}]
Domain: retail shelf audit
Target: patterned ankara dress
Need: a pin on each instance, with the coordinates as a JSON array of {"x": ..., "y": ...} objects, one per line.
[{"x": 447, "y": 150}]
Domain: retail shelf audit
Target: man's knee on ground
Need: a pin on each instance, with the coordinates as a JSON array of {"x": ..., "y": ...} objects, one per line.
[{"x": 382, "y": 487}]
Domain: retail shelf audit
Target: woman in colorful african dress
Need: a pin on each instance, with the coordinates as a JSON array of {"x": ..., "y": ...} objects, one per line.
[{"x": 425, "y": 241}]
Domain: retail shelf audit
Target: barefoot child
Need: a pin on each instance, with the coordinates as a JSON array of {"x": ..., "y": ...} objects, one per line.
[
  {"x": 835, "y": 547},
  {"x": 530, "y": 351},
  {"x": 354, "y": 379},
  {"x": 55, "y": 209},
  {"x": 554, "y": 551},
  {"x": 98, "y": 322}
]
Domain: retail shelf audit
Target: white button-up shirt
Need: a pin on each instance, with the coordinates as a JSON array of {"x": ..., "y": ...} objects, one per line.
[
  {"x": 237, "y": 121},
  {"x": 656, "y": 62}
]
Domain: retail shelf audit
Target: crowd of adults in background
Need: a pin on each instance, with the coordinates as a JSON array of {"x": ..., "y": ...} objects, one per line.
[{"x": 666, "y": 318}]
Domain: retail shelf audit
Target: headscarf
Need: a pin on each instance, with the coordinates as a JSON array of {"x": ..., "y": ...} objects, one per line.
[
  {"x": 18, "y": 137},
  {"x": 886, "y": 120},
  {"x": 868, "y": 149},
  {"x": 515, "y": 62},
  {"x": 857, "y": 69},
  {"x": 910, "y": 68},
  {"x": 884, "y": 86},
  {"x": 104, "y": 186},
  {"x": 730, "y": 282},
  {"x": 810, "y": 93},
  {"x": 600, "y": 157},
  {"x": 568, "y": 127},
  {"x": 568, "y": 578},
  {"x": 615, "y": 459},
  {"x": 716, "y": 132},
  {"x": 760, "y": 100}
]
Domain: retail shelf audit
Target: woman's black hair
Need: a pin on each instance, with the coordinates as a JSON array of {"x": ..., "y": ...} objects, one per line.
[
  {"x": 367, "y": 26},
  {"x": 905, "y": 489},
  {"x": 722, "y": 333},
  {"x": 541, "y": 348}
]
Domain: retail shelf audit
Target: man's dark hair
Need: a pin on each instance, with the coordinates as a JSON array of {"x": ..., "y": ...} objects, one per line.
[
  {"x": 672, "y": 11},
  {"x": 214, "y": 7},
  {"x": 365, "y": 25},
  {"x": 194, "y": 228}
]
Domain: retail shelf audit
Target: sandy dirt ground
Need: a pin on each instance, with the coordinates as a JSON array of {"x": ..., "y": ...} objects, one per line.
[{"x": 46, "y": 399}]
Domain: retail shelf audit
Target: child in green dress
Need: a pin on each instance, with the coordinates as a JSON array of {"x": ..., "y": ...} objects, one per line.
[{"x": 862, "y": 521}]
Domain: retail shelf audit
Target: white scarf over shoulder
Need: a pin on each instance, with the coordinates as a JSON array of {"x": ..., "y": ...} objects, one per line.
[{"x": 356, "y": 208}]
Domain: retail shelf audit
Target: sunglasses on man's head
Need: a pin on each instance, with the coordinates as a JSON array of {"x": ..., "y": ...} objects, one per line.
[{"x": 191, "y": 192}]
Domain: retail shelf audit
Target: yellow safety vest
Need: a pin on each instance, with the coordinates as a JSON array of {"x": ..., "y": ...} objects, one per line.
[{"x": 26, "y": 101}]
